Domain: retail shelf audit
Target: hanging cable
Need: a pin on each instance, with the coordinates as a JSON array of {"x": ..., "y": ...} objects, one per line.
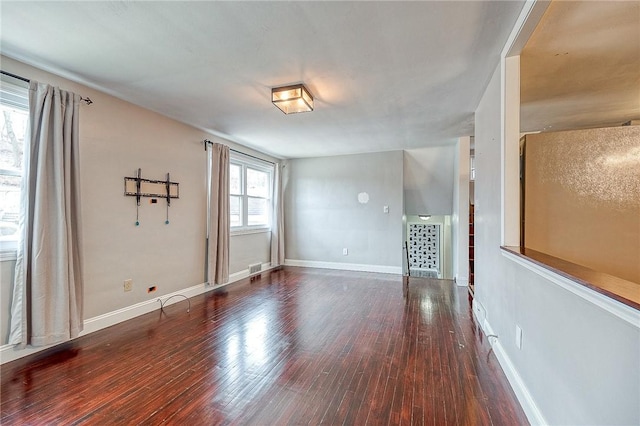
[
  {"x": 171, "y": 297},
  {"x": 168, "y": 188}
]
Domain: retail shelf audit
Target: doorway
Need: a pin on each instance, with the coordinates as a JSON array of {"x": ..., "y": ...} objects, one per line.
[{"x": 424, "y": 250}]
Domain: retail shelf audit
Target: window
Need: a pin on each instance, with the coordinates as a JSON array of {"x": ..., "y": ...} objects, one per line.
[
  {"x": 14, "y": 102},
  {"x": 250, "y": 191}
]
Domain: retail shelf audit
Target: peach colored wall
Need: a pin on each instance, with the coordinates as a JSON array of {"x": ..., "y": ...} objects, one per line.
[
  {"x": 116, "y": 138},
  {"x": 582, "y": 198}
]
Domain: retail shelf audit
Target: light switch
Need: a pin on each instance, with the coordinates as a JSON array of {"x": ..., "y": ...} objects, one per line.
[
  {"x": 518, "y": 337},
  {"x": 385, "y": 209}
]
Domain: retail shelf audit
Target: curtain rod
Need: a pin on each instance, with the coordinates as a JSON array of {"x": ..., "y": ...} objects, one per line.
[
  {"x": 88, "y": 101},
  {"x": 207, "y": 141},
  {"x": 16, "y": 76}
]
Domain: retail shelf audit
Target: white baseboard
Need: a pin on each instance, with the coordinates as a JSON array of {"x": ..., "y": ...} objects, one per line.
[
  {"x": 111, "y": 318},
  {"x": 245, "y": 273},
  {"x": 529, "y": 406},
  {"x": 462, "y": 281},
  {"x": 10, "y": 353},
  {"x": 345, "y": 266}
]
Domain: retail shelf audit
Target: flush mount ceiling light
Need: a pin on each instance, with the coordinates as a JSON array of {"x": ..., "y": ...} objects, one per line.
[{"x": 292, "y": 99}]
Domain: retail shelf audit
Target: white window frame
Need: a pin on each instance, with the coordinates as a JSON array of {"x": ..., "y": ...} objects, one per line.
[
  {"x": 16, "y": 96},
  {"x": 245, "y": 163}
]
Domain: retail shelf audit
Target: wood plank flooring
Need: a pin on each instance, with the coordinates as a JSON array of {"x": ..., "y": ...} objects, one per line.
[{"x": 296, "y": 346}]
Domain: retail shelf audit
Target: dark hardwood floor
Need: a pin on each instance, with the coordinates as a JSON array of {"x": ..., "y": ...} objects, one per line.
[{"x": 297, "y": 346}]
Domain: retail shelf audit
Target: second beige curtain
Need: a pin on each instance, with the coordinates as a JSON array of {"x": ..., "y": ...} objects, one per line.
[
  {"x": 217, "y": 261},
  {"x": 277, "y": 221}
]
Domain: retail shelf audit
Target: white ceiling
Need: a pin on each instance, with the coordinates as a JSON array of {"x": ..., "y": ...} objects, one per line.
[{"x": 385, "y": 75}]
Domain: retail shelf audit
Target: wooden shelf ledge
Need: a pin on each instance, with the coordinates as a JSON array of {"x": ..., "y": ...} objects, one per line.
[{"x": 623, "y": 291}]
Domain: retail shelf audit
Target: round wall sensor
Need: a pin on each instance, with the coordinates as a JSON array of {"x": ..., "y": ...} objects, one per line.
[{"x": 363, "y": 198}]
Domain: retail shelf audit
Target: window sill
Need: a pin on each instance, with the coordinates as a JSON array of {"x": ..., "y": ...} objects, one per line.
[
  {"x": 616, "y": 295},
  {"x": 8, "y": 255},
  {"x": 248, "y": 231}
]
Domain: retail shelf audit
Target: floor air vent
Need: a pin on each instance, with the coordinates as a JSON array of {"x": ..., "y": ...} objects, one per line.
[{"x": 255, "y": 267}]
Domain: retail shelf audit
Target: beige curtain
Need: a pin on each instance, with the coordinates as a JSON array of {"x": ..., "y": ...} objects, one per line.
[
  {"x": 47, "y": 294},
  {"x": 217, "y": 262},
  {"x": 277, "y": 222}
]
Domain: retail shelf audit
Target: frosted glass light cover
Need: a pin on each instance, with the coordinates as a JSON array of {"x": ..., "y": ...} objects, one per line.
[{"x": 292, "y": 99}]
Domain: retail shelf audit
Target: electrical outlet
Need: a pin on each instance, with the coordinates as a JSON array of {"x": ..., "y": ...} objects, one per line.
[
  {"x": 518, "y": 337},
  {"x": 128, "y": 285},
  {"x": 345, "y": 251}
]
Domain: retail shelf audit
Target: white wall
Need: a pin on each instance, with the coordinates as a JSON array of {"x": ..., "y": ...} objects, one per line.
[
  {"x": 116, "y": 138},
  {"x": 245, "y": 249},
  {"x": 323, "y": 215},
  {"x": 460, "y": 216},
  {"x": 429, "y": 180},
  {"x": 429, "y": 176},
  {"x": 579, "y": 363}
]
